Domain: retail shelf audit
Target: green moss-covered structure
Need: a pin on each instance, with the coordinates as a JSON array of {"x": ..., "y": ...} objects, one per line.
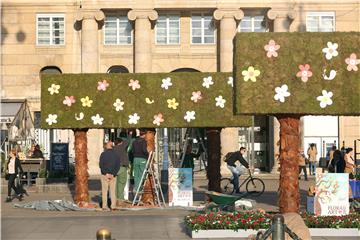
[
  {"x": 296, "y": 49},
  {"x": 207, "y": 114}
]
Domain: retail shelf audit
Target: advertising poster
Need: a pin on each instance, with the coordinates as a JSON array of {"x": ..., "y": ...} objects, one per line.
[
  {"x": 332, "y": 194},
  {"x": 180, "y": 187}
]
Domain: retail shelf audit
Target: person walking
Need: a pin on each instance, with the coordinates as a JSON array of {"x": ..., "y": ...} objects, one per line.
[
  {"x": 237, "y": 171},
  {"x": 337, "y": 164},
  {"x": 120, "y": 148},
  {"x": 302, "y": 165},
  {"x": 312, "y": 153},
  {"x": 109, "y": 165},
  {"x": 140, "y": 153},
  {"x": 349, "y": 162},
  {"x": 12, "y": 169}
]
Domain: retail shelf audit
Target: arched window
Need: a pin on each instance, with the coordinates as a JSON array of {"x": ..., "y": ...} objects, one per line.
[
  {"x": 50, "y": 70},
  {"x": 185, "y": 70},
  {"x": 118, "y": 69}
]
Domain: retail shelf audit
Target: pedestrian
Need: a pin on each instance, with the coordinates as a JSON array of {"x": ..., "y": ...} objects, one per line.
[
  {"x": 37, "y": 152},
  {"x": 302, "y": 165},
  {"x": 140, "y": 153},
  {"x": 109, "y": 166},
  {"x": 331, "y": 155},
  {"x": 312, "y": 153},
  {"x": 120, "y": 149},
  {"x": 349, "y": 162},
  {"x": 237, "y": 171},
  {"x": 338, "y": 162},
  {"x": 189, "y": 157},
  {"x": 12, "y": 169}
]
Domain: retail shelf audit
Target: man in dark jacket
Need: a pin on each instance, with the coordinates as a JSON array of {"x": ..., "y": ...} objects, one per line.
[
  {"x": 120, "y": 149},
  {"x": 109, "y": 165},
  {"x": 140, "y": 153},
  {"x": 237, "y": 171}
]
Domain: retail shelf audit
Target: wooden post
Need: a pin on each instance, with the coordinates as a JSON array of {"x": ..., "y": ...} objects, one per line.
[
  {"x": 81, "y": 167},
  {"x": 289, "y": 195},
  {"x": 214, "y": 158}
]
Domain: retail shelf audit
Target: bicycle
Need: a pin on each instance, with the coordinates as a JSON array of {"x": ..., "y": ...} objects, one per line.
[{"x": 254, "y": 186}]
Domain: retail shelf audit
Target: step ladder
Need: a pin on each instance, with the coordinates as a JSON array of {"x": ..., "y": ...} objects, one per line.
[{"x": 155, "y": 183}]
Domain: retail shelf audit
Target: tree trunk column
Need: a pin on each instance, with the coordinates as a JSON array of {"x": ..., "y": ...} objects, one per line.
[
  {"x": 227, "y": 17},
  {"x": 289, "y": 195},
  {"x": 81, "y": 168},
  {"x": 213, "y": 168},
  {"x": 143, "y": 38}
]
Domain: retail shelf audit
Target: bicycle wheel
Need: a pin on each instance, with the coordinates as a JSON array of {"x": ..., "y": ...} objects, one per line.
[
  {"x": 255, "y": 186},
  {"x": 226, "y": 185}
]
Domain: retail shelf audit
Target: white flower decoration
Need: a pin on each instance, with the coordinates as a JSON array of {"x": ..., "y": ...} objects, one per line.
[
  {"x": 51, "y": 119},
  {"x": 331, "y": 76},
  {"x": 325, "y": 99},
  {"x": 220, "y": 101},
  {"x": 166, "y": 83},
  {"x": 207, "y": 81},
  {"x": 281, "y": 93},
  {"x": 118, "y": 104},
  {"x": 80, "y": 117},
  {"x": 331, "y": 50},
  {"x": 54, "y": 89},
  {"x": 231, "y": 81},
  {"x": 97, "y": 119},
  {"x": 190, "y": 115},
  {"x": 133, "y": 119}
]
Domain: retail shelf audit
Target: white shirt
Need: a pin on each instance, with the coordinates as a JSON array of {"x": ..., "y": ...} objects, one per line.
[{"x": 11, "y": 166}]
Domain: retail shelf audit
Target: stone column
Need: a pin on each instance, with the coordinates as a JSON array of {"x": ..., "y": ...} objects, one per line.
[
  {"x": 227, "y": 17},
  {"x": 282, "y": 20},
  {"x": 143, "y": 38},
  {"x": 90, "y": 64}
]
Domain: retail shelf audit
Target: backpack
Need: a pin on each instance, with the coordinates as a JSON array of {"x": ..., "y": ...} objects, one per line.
[{"x": 227, "y": 156}]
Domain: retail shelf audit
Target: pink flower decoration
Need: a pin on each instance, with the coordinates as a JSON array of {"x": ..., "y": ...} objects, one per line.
[
  {"x": 102, "y": 85},
  {"x": 134, "y": 84},
  {"x": 271, "y": 49},
  {"x": 352, "y": 62},
  {"x": 304, "y": 72},
  {"x": 196, "y": 96},
  {"x": 158, "y": 118},
  {"x": 69, "y": 100}
]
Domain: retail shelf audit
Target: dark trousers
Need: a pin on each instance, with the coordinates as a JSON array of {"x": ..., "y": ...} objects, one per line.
[
  {"x": 11, "y": 184},
  {"x": 304, "y": 169}
]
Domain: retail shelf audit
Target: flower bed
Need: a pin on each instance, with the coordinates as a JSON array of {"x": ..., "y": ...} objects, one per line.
[{"x": 259, "y": 220}]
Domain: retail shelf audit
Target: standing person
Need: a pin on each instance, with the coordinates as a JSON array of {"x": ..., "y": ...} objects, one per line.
[
  {"x": 12, "y": 168},
  {"x": 312, "y": 153},
  {"x": 120, "y": 149},
  {"x": 302, "y": 165},
  {"x": 140, "y": 153},
  {"x": 109, "y": 166},
  {"x": 337, "y": 165},
  {"x": 331, "y": 154},
  {"x": 189, "y": 157},
  {"x": 349, "y": 163},
  {"x": 37, "y": 152},
  {"x": 237, "y": 171}
]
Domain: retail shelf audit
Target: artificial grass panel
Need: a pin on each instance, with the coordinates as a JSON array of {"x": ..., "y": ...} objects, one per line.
[
  {"x": 295, "y": 49},
  {"x": 183, "y": 84}
]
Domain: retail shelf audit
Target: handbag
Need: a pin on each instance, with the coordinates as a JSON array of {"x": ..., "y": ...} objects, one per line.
[{"x": 7, "y": 176}]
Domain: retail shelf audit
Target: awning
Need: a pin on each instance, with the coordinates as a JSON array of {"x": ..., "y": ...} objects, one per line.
[{"x": 9, "y": 108}]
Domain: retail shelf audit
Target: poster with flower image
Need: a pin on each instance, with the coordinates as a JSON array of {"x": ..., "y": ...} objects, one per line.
[
  {"x": 180, "y": 187},
  {"x": 332, "y": 194}
]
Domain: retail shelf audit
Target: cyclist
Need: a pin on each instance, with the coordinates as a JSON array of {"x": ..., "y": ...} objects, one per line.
[{"x": 237, "y": 171}]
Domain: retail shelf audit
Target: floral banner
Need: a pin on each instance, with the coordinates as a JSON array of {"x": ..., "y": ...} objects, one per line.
[
  {"x": 297, "y": 73},
  {"x": 153, "y": 100}
]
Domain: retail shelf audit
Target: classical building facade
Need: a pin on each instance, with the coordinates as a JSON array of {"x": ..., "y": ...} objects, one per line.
[{"x": 100, "y": 36}]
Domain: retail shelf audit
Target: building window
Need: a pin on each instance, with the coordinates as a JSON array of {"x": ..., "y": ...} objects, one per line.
[
  {"x": 118, "y": 69},
  {"x": 117, "y": 31},
  {"x": 202, "y": 29},
  {"x": 168, "y": 29},
  {"x": 50, "y": 29},
  {"x": 320, "y": 22},
  {"x": 253, "y": 24}
]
